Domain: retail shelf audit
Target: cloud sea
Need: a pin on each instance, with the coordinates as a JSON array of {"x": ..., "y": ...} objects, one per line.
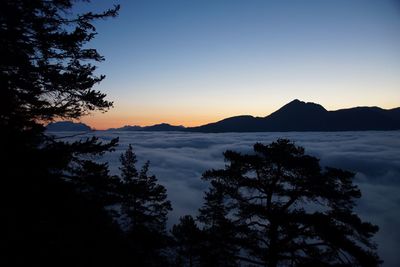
[{"x": 178, "y": 160}]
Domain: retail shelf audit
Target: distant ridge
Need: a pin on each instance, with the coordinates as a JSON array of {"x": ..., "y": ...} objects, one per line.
[
  {"x": 153, "y": 128},
  {"x": 301, "y": 116},
  {"x": 295, "y": 116},
  {"x": 67, "y": 126}
]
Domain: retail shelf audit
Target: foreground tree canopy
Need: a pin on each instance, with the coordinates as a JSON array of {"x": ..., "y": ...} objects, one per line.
[
  {"x": 286, "y": 211},
  {"x": 47, "y": 71},
  {"x": 53, "y": 196}
]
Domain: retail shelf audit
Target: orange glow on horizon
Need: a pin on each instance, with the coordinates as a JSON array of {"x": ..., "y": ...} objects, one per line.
[
  {"x": 147, "y": 116},
  {"x": 103, "y": 122},
  {"x": 117, "y": 118}
]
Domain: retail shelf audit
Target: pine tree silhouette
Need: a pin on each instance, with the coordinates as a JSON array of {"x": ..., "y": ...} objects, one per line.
[
  {"x": 145, "y": 208},
  {"x": 219, "y": 244},
  {"x": 188, "y": 239},
  {"x": 287, "y": 211},
  {"x": 53, "y": 196}
]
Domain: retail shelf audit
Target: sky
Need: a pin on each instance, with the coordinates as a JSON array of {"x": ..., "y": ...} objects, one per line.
[{"x": 191, "y": 62}]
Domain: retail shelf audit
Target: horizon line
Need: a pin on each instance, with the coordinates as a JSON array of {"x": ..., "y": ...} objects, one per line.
[{"x": 239, "y": 115}]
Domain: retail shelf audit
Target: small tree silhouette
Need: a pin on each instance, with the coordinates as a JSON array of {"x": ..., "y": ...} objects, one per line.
[
  {"x": 219, "y": 246},
  {"x": 287, "y": 212},
  {"x": 145, "y": 206},
  {"x": 187, "y": 238}
]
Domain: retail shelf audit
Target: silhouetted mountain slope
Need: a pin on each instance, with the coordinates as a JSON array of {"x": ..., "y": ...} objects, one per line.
[
  {"x": 163, "y": 127},
  {"x": 363, "y": 118},
  {"x": 63, "y": 126},
  {"x": 301, "y": 116},
  {"x": 394, "y": 113},
  {"x": 295, "y": 116},
  {"x": 245, "y": 123},
  {"x": 126, "y": 128},
  {"x": 154, "y": 128}
]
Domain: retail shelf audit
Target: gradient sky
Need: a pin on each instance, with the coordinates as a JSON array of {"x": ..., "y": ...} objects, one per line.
[{"x": 190, "y": 62}]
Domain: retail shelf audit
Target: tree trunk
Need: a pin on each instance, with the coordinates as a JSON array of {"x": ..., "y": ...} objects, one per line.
[{"x": 272, "y": 260}]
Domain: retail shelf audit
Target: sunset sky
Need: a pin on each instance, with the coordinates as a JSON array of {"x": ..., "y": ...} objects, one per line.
[{"x": 193, "y": 62}]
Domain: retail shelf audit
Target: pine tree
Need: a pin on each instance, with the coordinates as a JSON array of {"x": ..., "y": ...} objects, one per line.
[
  {"x": 145, "y": 208},
  {"x": 188, "y": 239},
  {"x": 288, "y": 212},
  {"x": 219, "y": 245},
  {"x": 53, "y": 196}
]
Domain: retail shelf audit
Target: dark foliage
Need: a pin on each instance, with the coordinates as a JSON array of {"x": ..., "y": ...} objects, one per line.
[
  {"x": 144, "y": 210},
  {"x": 286, "y": 211},
  {"x": 187, "y": 242},
  {"x": 45, "y": 70},
  {"x": 219, "y": 244},
  {"x": 53, "y": 195}
]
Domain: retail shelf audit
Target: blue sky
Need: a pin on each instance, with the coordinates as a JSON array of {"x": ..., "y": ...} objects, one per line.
[{"x": 191, "y": 62}]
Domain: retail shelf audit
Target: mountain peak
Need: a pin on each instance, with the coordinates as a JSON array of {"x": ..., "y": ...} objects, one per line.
[
  {"x": 296, "y": 106},
  {"x": 296, "y": 101}
]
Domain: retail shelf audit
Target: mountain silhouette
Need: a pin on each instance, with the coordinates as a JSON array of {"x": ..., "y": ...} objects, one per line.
[
  {"x": 295, "y": 116},
  {"x": 301, "y": 116},
  {"x": 66, "y": 126},
  {"x": 245, "y": 123},
  {"x": 163, "y": 127},
  {"x": 152, "y": 128}
]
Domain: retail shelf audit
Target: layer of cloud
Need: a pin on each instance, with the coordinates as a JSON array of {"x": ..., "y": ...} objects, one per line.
[{"x": 179, "y": 159}]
